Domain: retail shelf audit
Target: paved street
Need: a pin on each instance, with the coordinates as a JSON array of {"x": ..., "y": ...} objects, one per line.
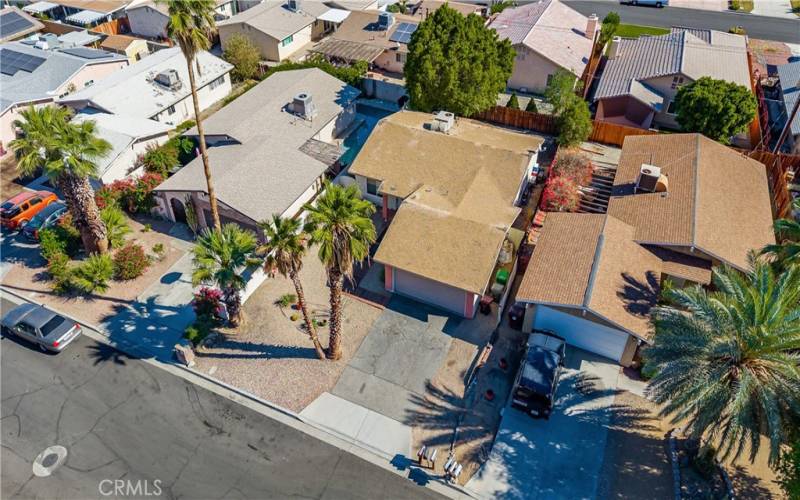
[
  {"x": 767, "y": 28},
  {"x": 122, "y": 418}
]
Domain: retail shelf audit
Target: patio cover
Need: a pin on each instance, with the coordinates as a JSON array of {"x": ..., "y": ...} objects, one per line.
[
  {"x": 347, "y": 50},
  {"x": 39, "y": 7},
  {"x": 86, "y": 17},
  {"x": 334, "y": 15}
]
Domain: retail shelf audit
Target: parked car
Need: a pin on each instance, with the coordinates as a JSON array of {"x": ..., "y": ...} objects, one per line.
[
  {"x": 656, "y": 3},
  {"x": 41, "y": 326},
  {"x": 48, "y": 217},
  {"x": 18, "y": 210},
  {"x": 537, "y": 380}
]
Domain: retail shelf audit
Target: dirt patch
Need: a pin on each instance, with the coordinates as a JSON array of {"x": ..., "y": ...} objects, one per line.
[
  {"x": 10, "y": 184},
  {"x": 29, "y": 277},
  {"x": 271, "y": 357}
]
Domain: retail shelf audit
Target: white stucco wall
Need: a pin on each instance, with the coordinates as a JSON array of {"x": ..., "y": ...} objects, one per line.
[
  {"x": 184, "y": 109},
  {"x": 388, "y": 62},
  {"x": 531, "y": 70},
  {"x": 148, "y": 22},
  {"x": 124, "y": 162},
  {"x": 299, "y": 39}
]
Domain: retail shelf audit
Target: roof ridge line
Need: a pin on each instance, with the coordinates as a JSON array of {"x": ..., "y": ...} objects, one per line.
[{"x": 695, "y": 190}]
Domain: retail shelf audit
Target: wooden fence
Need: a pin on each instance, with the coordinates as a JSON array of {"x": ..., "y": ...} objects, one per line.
[
  {"x": 780, "y": 168},
  {"x": 114, "y": 27},
  {"x": 755, "y": 126}
]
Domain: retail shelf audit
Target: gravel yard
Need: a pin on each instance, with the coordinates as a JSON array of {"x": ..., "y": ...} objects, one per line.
[{"x": 271, "y": 357}]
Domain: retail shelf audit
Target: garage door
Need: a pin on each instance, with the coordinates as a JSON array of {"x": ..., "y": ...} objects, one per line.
[
  {"x": 582, "y": 333},
  {"x": 432, "y": 292}
]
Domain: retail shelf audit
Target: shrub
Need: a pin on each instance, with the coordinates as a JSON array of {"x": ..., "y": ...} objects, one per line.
[
  {"x": 244, "y": 55},
  {"x": 184, "y": 126},
  {"x": 197, "y": 331},
  {"x": 735, "y": 5},
  {"x": 531, "y": 107},
  {"x": 147, "y": 228},
  {"x": 737, "y": 30},
  {"x": 788, "y": 468},
  {"x": 207, "y": 303},
  {"x": 105, "y": 197},
  {"x": 287, "y": 299},
  {"x": 704, "y": 462},
  {"x": 513, "y": 101},
  {"x": 93, "y": 274},
  {"x": 62, "y": 238},
  {"x": 160, "y": 159},
  {"x": 135, "y": 195},
  {"x": 60, "y": 273},
  {"x": 573, "y": 164},
  {"x": 352, "y": 74},
  {"x": 560, "y": 195},
  {"x": 116, "y": 226},
  {"x": 649, "y": 370},
  {"x": 159, "y": 251},
  {"x": 574, "y": 121},
  {"x": 130, "y": 262},
  {"x": 294, "y": 317},
  {"x": 499, "y": 7}
]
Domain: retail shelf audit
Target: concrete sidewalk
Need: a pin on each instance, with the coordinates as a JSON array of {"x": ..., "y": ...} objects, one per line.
[{"x": 774, "y": 8}]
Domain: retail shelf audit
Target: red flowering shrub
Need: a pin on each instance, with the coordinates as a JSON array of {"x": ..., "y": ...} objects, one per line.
[
  {"x": 573, "y": 164},
  {"x": 130, "y": 262},
  {"x": 133, "y": 195},
  {"x": 560, "y": 195},
  {"x": 207, "y": 303}
]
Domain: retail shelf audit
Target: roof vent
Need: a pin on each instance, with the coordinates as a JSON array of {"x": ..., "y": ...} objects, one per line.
[
  {"x": 169, "y": 78},
  {"x": 613, "y": 49},
  {"x": 303, "y": 106},
  {"x": 650, "y": 180},
  {"x": 294, "y": 5},
  {"x": 385, "y": 21},
  {"x": 443, "y": 121}
]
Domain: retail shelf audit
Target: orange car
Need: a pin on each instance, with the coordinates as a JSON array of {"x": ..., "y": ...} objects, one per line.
[{"x": 18, "y": 210}]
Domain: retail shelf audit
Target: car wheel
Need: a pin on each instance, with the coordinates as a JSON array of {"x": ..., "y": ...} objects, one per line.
[
  {"x": 21, "y": 224},
  {"x": 659, "y": 5}
]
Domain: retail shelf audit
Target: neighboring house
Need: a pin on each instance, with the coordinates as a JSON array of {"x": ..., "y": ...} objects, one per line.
[
  {"x": 132, "y": 48},
  {"x": 279, "y": 28},
  {"x": 129, "y": 138},
  {"x": 789, "y": 76},
  {"x": 451, "y": 196},
  {"x": 157, "y": 88},
  {"x": 51, "y": 41},
  {"x": 642, "y": 76},
  {"x": 36, "y": 77},
  {"x": 354, "y": 5},
  {"x": 86, "y": 13},
  {"x": 16, "y": 24},
  {"x": 594, "y": 278},
  {"x": 424, "y": 8},
  {"x": 149, "y": 19},
  {"x": 269, "y": 150},
  {"x": 547, "y": 36}
]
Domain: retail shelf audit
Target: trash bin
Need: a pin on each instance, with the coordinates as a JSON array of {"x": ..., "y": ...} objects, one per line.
[{"x": 502, "y": 276}]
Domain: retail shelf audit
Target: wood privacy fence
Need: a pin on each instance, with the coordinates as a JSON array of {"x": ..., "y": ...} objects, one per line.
[
  {"x": 780, "y": 168},
  {"x": 113, "y": 27}
]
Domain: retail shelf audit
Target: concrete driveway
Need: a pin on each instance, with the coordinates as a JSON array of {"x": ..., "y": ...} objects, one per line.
[{"x": 560, "y": 457}]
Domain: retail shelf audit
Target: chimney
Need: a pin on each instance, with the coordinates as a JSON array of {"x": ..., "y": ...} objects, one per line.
[
  {"x": 591, "y": 26},
  {"x": 613, "y": 49}
]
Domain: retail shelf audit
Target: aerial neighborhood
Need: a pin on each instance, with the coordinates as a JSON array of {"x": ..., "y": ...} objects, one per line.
[{"x": 400, "y": 249}]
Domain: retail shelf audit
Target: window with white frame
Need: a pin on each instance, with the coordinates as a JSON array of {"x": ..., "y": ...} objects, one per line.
[
  {"x": 171, "y": 110},
  {"x": 401, "y": 57},
  {"x": 286, "y": 41},
  {"x": 216, "y": 83},
  {"x": 372, "y": 187}
]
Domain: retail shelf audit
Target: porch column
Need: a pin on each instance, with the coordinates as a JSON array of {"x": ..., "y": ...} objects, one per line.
[
  {"x": 469, "y": 305},
  {"x": 385, "y": 209},
  {"x": 388, "y": 278}
]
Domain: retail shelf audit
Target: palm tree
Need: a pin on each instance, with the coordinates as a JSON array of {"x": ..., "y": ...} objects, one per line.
[
  {"x": 727, "y": 360},
  {"x": 67, "y": 153},
  {"x": 339, "y": 222},
  {"x": 220, "y": 259},
  {"x": 787, "y": 251},
  {"x": 284, "y": 250},
  {"x": 191, "y": 22}
]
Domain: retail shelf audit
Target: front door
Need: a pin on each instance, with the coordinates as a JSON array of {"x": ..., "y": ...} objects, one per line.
[{"x": 178, "y": 210}]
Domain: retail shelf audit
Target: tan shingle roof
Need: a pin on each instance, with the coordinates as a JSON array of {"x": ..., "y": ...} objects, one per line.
[{"x": 117, "y": 42}]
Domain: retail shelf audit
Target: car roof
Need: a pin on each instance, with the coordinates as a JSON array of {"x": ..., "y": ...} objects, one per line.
[
  {"x": 14, "y": 316},
  {"x": 25, "y": 195},
  {"x": 539, "y": 371},
  {"x": 39, "y": 316}
]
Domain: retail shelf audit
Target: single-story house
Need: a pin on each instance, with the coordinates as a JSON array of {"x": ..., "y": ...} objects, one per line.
[
  {"x": 280, "y": 28},
  {"x": 789, "y": 76},
  {"x": 131, "y": 47},
  {"x": 149, "y": 18},
  {"x": 354, "y": 5},
  {"x": 547, "y": 36},
  {"x": 450, "y": 188},
  {"x": 85, "y": 13},
  {"x": 641, "y": 77},
  {"x": 680, "y": 205},
  {"x": 129, "y": 138},
  {"x": 16, "y": 24},
  {"x": 35, "y": 77},
  {"x": 157, "y": 88},
  {"x": 269, "y": 150}
]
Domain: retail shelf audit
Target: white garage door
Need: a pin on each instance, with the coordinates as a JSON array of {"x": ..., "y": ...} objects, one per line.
[
  {"x": 582, "y": 333},
  {"x": 432, "y": 292}
]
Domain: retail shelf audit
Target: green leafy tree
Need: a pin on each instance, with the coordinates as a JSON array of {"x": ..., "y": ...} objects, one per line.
[
  {"x": 67, "y": 153},
  {"x": 560, "y": 90},
  {"x": 715, "y": 108},
  {"x": 400, "y": 7},
  {"x": 457, "y": 64},
  {"x": 220, "y": 258},
  {"x": 499, "y": 7},
  {"x": 339, "y": 222},
  {"x": 609, "y": 28},
  {"x": 726, "y": 361},
  {"x": 574, "y": 122},
  {"x": 116, "y": 225},
  {"x": 191, "y": 23},
  {"x": 789, "y": 469},
  {"x": 93, "y": 275},
  {"x": 531, "y": 107},
  {"x": 243, "y": 54},
  {"x": 513, "y": 101},
  {"x": 787, "y": 251},
  {"x": 284, "y": 250},
  {"x": 160, "y": 159}
]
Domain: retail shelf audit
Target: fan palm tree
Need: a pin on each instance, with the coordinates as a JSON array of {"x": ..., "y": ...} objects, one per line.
[
  {"x": 191, "y": 22},
  {"x": 787, "y": 251},
  {"x": 727, "y": 360},
  {"x": 67, "y": 153},
  {"x": 339, "y": 222},
  {"x": 284, "y": 251},
  {"x": 220, "y": 259}
]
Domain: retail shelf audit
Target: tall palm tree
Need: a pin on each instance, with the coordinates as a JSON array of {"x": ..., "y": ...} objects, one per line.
[
  {"x": 220, "y": 259},
  {"x": 339, "y": 222},
  {"x": 787, "y": 251},
  {"x": 727, "y": 360},
  {"x": 191, "y": 22},
  {"x": 284, "y": 250},
  {"x": 67, "y": 153}
]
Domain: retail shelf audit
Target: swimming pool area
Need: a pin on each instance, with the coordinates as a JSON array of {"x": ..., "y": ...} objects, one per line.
[{"x": 369, "y": 115}]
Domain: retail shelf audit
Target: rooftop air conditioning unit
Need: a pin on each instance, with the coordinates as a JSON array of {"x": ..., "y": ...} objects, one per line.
[
  {"x": 169, "y": 79},
  {"x": 294, "y": 5},
  {"x": 385, "y": 20},
  {"x": 443, "y": 121},
  {"x": 303, "y": 106},
  {"x": 650, "y": 179}
]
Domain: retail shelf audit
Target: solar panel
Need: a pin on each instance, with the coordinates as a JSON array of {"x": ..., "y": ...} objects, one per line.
[
  {"x": 87, "y": 53},
  {"x": 12, "y": 61},
  {"x": 12, "y": 23},
  {"x": 403, "y": 33}
]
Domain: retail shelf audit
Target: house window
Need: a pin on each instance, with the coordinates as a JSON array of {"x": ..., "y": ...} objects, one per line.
[
  {"x": 171, "y": 110},
  {"x": 216, "y": 83},
  {"x": 677, "y": 81},
  {"x": 549, "y": 79},
  {"x": 401, "y": 57},
  {"x": 286, "y": 41},
  {"x": 671, "y": 108},
  {"x": 372, "y": 187},
  {"x": 90, "y": 82}
]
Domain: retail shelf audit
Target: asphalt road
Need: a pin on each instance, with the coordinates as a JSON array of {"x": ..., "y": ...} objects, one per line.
[
  {"x": 121, "y": 418},
  {"x": 763, "y": 27}
]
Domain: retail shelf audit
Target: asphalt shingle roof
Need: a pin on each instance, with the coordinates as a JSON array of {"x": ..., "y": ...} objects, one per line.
[{"x": 789, "y": 75}]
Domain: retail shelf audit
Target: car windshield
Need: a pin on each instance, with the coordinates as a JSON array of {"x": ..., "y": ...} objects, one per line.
[{"x": 51, "y": 325}]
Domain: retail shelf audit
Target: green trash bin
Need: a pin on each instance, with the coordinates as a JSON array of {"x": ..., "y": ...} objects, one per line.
[{"x": 502, "y": 276}]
